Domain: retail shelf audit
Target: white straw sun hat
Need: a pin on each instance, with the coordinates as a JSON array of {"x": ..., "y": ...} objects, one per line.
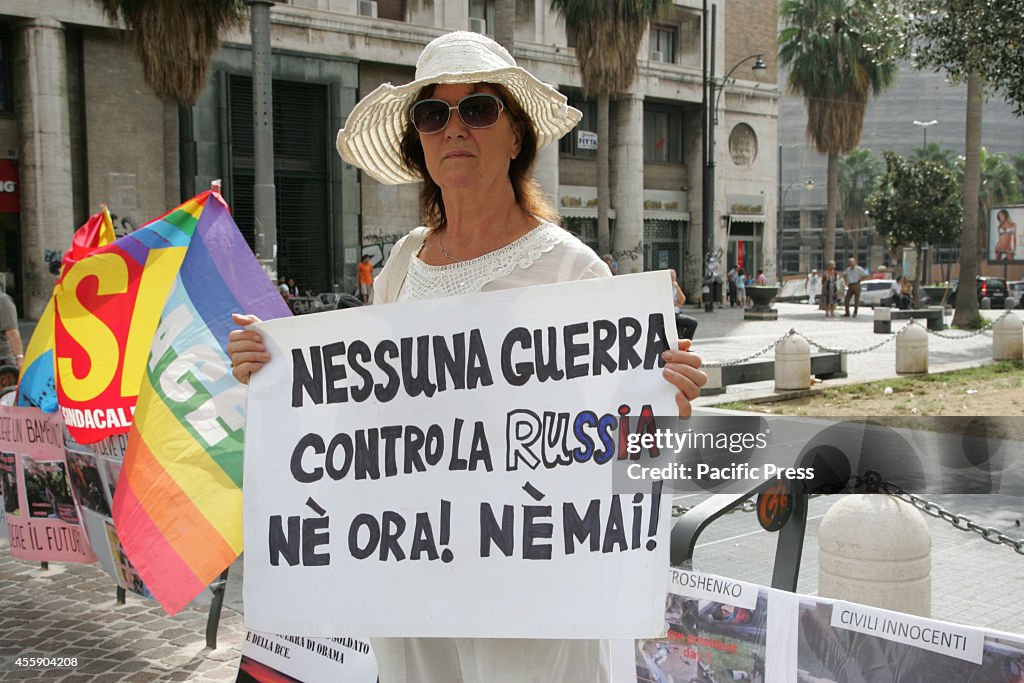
[{"x": 373, "y": 133}]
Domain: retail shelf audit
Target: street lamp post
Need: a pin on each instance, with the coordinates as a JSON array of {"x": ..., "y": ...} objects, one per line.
[
  {"x": 264, "y": 201},
  {"x": 708, "y": 123},
  {"x": 781, "y": 210},
  {"x": 925, "y": 125}
]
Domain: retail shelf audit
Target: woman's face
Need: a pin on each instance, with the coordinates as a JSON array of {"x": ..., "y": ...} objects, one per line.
[{"x": 462, "y": 157}]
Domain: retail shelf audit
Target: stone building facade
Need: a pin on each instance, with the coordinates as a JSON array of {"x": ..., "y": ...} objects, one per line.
[{"x": 80, "y": 127}]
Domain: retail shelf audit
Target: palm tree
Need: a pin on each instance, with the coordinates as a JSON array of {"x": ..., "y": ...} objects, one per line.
[
  {"x": 935, "y": 153},
  {"x": 1018, "y": 167},
  {"x": 175, "y": 40},
  {"x": 859, "y": 172},
  {"x": 838, "y": 54},
  {"x": 608, "y": 35},
  {"x": 998, "y": 182},
  {"x": 966, "y": 313}
]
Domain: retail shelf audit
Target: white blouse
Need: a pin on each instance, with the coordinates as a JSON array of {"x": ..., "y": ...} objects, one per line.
[{"x": 545, "y": 255}]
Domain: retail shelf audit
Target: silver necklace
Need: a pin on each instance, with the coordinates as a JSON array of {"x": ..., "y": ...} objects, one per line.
[{"x": 444, "y": 251}]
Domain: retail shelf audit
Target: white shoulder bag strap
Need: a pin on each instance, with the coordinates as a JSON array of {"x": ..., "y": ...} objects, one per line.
[{"x": 400, "y": 267}]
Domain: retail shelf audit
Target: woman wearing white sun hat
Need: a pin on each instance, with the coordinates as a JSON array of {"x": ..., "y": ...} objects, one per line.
[{"x": 469, "y": 126}]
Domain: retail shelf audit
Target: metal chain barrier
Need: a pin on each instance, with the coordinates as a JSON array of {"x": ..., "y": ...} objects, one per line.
[
  {"x": 974, "y": 333},
  {"x": 872, "y": 482},
  {"x": 961, "y": 522},
  {"x": 737, "y": 361},
  {"x": 853, "y": 352}
]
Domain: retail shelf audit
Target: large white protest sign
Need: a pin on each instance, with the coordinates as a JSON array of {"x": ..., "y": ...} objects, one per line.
[{"x": 443, "y": 467}]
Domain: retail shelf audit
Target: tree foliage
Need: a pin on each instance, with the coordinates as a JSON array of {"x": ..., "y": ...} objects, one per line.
[
  {"x": 608, "y": 35},
  {"x": 858, "y": 178},
  {"x": 839, "y": 52},
  {"x": 917, "y": 202},
  {"x": 175, "y": 39},
  {"x": 973, "y": 36},
  {"x": 1018, "y": 168},
  {"x": 935, "y": 152}
]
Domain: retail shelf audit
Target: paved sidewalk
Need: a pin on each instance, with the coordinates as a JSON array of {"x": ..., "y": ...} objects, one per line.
[
  {"x": 725, "y": 336},
  {"x": 69, "y": 611}
]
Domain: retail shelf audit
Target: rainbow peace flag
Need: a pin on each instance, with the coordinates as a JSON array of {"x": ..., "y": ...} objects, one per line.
[
  {"x": 37, "y": 384},
  {"x": 178, "y": 503}
]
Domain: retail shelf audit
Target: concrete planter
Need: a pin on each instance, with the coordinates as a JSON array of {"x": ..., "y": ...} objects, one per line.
[
  {"x": 762, "y": 296},
  {"x": 937, "y": 295}
]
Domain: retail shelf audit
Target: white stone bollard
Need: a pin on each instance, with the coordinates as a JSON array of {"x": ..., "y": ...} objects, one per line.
[
  {"x": 875, "y": 550},
  {"x": 793, "y": 363},
  {"x": 912, "y": 350},
  {"x": 1007, "y": 339}
]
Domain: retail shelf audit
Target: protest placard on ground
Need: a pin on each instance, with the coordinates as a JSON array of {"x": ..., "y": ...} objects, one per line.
[{"x": 43, "y": 520}]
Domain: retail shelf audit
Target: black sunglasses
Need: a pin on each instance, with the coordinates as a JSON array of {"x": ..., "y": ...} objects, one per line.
[{"x": 480, "y": 110}]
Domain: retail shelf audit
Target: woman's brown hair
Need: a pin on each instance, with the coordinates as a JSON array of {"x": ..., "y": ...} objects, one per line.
[{"x": 528, "y": 192}]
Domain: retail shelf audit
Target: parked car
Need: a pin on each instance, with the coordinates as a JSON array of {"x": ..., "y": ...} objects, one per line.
[
  {"x": 875, "y": 292},
  {"x": 1015, "y": 290},
  {"x": 993, "y": 288}
]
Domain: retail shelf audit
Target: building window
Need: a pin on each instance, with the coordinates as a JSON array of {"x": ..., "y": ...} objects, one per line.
[
  {"x": 570, "y": 143},
  {"x": 481, "y": 16},
  {"x": 663, "y": 134},
  {"x": 391, "y": 9},
  {"x": 301, "y": 177},
  {"x": 663, "y": 43},
  {"x": 663, "y": 242},
  {"x": 584, "y": 228},
  {"x": 5, "y": 70}
]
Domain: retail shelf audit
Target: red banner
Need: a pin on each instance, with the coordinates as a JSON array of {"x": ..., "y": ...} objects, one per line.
[{"x": 10, "y": 201}]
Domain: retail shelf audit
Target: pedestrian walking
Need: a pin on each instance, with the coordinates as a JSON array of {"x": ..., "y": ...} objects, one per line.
[
  {"x": 853, "y": 275},
  {"x": 731, "y": 285},
  {"x": 829, "y": 289},
  {"x": 366, "y": 279},
  {"x": 741, "y": 288},
  {"x": 813, "y": 286},
  {"x": 12, "y": 352}
]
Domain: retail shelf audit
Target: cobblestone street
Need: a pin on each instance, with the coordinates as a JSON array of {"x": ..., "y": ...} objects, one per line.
[{"x": 69, "y": 612}]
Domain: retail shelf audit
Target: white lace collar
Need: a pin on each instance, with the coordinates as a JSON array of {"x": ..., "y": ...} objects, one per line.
[{"x": 424, "y": 281}]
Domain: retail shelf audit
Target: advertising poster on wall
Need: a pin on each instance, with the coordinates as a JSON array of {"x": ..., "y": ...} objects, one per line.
[{"x": 1006, "y": 234}]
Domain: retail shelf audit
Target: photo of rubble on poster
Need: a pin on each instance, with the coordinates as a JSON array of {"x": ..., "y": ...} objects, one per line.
[{"x": 707, "y": 641}]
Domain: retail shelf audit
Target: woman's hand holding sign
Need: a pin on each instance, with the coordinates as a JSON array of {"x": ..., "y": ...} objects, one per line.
[
  {"x": 245, "y": 347},
  {"x": 682, "y": 370}
]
